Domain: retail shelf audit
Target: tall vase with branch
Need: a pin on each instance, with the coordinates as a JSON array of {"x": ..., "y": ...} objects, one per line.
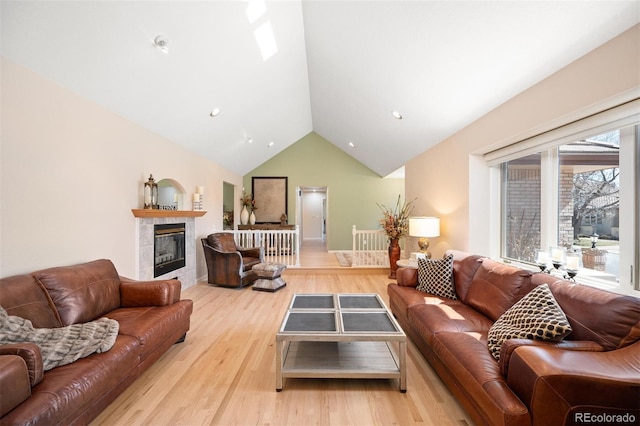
[{"x": 395, "y": 224}]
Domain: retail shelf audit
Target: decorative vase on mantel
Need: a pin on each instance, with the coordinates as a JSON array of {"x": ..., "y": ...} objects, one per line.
[
  {"x": 394, "y": 256},
  {"x": 252, "y": 218},
  {"x": 244, "y": 215}
]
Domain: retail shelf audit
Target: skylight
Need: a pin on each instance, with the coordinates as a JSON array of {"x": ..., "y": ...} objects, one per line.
[
  {"x": 255, "y": 9},
  {"x": 266, "y": 40}
]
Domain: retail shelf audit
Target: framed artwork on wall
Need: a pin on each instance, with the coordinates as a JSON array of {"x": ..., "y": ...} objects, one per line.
[{"x": 271, "y": 197}]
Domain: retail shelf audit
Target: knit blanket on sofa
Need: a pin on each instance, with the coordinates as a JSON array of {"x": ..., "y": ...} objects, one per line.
[{"x": 63, "y": 345}]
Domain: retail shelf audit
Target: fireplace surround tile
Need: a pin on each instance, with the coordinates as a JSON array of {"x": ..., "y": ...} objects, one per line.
[{"x": 145, "y": 251}]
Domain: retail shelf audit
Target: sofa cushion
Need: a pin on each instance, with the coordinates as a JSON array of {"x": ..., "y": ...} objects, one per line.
[
  {"x": 444, "y": 315},
  {"x": 536, "y": 316},
  {"x": 479, "y": 377},
  {"x": 465, "y": 266},
  {"x": 436, "y": 276},
  {"x": 609, "y": 319},
  {"x": 84, "y": 292},
  {"x": 496, "y": 287},
  {"x": 401, "y": 298},
  {"x": 21, "y": 296},
  {"x": 150, "y": 326}
]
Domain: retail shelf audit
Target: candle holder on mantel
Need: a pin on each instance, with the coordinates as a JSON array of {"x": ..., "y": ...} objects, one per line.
[
  {"x": 198, "y": 198},
  {"x": 197, "y": 201},
  {"x": 150, "y": 194}
]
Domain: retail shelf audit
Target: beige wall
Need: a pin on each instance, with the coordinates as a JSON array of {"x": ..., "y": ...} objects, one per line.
[
  {"x": 458, "y": 189},
  {"x": 71, "y": 173}
]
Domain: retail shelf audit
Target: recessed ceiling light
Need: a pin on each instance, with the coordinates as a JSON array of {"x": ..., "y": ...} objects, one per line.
[
  {"x": 214, "y": 112},
  {"x": 396, "y": 115},
  {"x": 272, "y": 143},
  {"x": 351, "y": 145},
  {"x": 161, "y": 43},
  {"x": 249, "y": 140}
]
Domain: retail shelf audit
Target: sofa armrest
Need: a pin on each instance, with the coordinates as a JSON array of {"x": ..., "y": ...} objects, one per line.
[
  {"x": 510, "y": 345},
  {"x": 15, "y": 387},
  {"x": 566, "y": 387},
  {"x": 30, "y": 353},
  {"x": 407, "y": 277},
  {"x": 148, "y": 293}
]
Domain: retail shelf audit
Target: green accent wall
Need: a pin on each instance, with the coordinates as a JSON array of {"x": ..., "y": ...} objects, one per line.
[{"x": 352, "y": 188}]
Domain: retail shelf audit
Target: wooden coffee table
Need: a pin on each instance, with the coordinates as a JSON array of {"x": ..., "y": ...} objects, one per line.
[{"x": 340, "y": 336}]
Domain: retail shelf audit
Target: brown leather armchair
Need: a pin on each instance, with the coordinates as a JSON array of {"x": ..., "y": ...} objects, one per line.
[{"x": 228, "y": 264}]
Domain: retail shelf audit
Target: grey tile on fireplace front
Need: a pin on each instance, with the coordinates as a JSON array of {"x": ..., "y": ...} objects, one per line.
[{"x": 145, "y": 253}]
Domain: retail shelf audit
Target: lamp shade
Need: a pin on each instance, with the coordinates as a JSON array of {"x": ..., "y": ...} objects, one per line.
[{"x": 423, "y": 226}]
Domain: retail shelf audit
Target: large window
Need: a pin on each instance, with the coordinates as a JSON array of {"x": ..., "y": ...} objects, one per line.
[
  {"x": 579, "y": 195},
  {"x": 521, "y": 208},
  {"x": 589, "y": 203}
]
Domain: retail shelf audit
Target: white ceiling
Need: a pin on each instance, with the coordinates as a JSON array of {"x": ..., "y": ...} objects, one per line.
[{"x": 340, "y": 67}]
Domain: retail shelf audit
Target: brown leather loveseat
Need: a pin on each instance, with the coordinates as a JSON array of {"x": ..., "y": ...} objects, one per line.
[
  {"x": 591, "y": 376},
  {"x": 151, "y": 319}
]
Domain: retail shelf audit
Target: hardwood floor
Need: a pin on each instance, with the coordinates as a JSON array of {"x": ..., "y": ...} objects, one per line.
[
  {"x": 224, "y": 373},
  {"x": 314, "y": 254}
]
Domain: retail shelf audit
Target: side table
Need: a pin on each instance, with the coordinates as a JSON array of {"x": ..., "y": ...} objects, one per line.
[{"x": 269, "y": 278}]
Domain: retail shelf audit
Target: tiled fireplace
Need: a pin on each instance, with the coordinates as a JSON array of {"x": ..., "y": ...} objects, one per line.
[{"x": 145, "y": 249}]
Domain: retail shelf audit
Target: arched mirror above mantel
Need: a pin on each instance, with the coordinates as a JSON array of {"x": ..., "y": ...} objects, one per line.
[
  {"x": 172, "y": 202},
  {"x": 171, "y": 195}
]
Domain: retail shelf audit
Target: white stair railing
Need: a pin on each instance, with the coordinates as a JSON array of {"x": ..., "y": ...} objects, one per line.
[
  {"x": 280, "y": 246},
  {"x": 370, "y": 248}
]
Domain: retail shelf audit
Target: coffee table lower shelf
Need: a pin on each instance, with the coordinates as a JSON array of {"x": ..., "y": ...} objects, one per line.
[{"x": 345, "y": 359}]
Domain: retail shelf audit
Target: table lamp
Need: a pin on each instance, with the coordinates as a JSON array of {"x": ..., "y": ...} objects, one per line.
[{"x": 424, "y": 228}]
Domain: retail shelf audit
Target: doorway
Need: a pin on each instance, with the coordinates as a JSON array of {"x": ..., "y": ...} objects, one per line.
[{"x": 312, "y": 212}]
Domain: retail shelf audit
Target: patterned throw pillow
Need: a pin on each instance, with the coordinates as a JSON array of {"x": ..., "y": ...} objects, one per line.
[
  {"x": 536, "y": 316},
  {"x": 436, "y": 277}
]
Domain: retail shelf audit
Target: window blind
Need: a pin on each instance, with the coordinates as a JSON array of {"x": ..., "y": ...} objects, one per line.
[{"x": 617, "y": 117}]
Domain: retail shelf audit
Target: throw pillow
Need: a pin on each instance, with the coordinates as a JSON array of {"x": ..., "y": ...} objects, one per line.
[
  {"x": 536, "y": 316},
  {"x": 436, "y": 277}
]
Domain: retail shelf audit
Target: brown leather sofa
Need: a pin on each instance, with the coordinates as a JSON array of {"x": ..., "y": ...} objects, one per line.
[
  {"x": 229, "y": 265},
  {"x": 594, "y": 371},
  {"x": 151, "y": 319}
]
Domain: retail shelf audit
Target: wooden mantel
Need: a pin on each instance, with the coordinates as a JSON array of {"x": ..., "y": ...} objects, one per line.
[{"x": 167, "y": 213}]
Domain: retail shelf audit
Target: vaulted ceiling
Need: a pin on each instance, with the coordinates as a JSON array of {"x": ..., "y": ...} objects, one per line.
[{"x": 277, "y": 70}]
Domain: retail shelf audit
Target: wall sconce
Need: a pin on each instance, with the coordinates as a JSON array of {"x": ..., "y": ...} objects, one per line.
[
  {"x": 150, "y": 194},
  {"x": 424, "y": 228}
]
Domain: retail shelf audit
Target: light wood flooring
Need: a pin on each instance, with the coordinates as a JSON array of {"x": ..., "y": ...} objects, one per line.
[{"x": 224, "y": 373}]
